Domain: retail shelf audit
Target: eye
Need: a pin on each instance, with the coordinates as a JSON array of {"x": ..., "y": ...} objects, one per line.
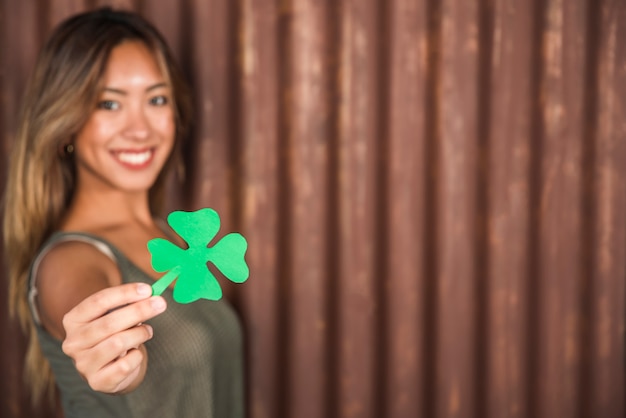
[
  {"x": 159, "y": 100},
  {"x": 108, "y": 105}
]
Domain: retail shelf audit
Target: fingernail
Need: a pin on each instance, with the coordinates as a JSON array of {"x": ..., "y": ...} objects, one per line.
[
  {"x": 150, "y": 331},
  {"x": 144, "y": 289},
  {"x": 158, "y": 304}
]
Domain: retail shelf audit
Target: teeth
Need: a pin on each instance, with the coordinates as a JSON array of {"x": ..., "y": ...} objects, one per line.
[{"x": 135, "y": 158}]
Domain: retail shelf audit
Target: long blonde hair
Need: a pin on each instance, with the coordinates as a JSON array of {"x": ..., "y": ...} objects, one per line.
[{"x": 60, "y": 95}]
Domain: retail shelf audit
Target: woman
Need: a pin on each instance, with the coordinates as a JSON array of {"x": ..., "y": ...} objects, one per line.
[{"x": 102, "y": 121}]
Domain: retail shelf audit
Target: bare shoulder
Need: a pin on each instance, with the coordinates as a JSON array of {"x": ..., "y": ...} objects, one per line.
[{"x": 68, "y": 273}]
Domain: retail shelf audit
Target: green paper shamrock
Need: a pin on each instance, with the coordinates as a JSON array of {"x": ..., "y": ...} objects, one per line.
[{"x": 195, "y": 280}]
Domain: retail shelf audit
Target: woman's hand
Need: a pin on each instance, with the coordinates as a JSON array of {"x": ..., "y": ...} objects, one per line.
[{"x": 104, "y": 335}]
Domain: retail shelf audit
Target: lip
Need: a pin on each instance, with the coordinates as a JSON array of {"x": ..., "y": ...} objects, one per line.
[{"x": 134, "y": 159}]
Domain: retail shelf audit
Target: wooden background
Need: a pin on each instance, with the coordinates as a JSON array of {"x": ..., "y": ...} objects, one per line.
[{"x": 433, "y": 192}]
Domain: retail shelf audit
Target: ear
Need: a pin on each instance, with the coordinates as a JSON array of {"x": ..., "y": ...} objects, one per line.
[{"x": 66, "y": 149}]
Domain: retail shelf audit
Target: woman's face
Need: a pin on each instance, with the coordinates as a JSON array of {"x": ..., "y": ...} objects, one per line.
[{"x": 130, "y": 134}]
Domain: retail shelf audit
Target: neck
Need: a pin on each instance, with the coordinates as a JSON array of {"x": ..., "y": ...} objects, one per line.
[{"x": 93, "y": 210}]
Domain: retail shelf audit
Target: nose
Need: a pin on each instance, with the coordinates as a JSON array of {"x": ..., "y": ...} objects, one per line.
[{"x": 137, "y": 124}]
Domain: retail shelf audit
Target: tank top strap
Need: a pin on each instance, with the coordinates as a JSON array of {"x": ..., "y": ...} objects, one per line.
[{"x": 57, "y": 238}]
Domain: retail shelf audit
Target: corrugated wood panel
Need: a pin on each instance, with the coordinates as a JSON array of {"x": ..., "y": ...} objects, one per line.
[
  {"x": 259, "y": 203},
  {"x": 433, "y": 192},
  {"x": 607, "y": 239},
  {"x": 407, "y": 88},
  {"x": 505, "y": 130}
]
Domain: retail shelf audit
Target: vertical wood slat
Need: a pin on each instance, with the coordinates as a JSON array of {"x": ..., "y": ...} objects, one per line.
[
  {"x": 259, "y": 136},
  {"x": 456, "y": 206},
  {"x": 306, "y": 130},
  {"x": 508, "y": 131},
  {"x": 608, "y": 228},
  {"x": 559, "y": 228},
  {"x": 433, "y": 193},
  {"x": 404, "y": 174},
  {"x": 357, "y": 300},
  {"x": 209, "y": 155}
]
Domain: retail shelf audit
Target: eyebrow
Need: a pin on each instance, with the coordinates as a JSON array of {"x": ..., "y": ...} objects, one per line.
[{"x": 123, "y": 92}]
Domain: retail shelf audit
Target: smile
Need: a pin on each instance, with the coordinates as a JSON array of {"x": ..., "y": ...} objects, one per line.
[{"x": 134, "y": 159}]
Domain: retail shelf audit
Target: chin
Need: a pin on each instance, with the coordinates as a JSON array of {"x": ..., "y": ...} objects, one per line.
[{"x": 137, "y": 187}]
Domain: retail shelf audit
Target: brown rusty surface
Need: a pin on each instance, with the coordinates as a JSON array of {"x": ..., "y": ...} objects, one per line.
[
  {"x": 403, "y": 302},
  {"x": 505, "y": 128}
]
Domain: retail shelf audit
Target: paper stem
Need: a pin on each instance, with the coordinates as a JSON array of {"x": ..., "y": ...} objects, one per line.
[{"x": 160, "y": 285}]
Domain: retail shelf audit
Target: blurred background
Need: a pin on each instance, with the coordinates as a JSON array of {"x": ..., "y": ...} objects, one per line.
[{"x": 433, "y": 192}]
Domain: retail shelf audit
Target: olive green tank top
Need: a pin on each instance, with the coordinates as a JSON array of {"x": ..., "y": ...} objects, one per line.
[{"x": 194, "y": 358}]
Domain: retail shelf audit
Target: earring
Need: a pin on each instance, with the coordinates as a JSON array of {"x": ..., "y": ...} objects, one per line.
[{"x": 69, "y": 149}]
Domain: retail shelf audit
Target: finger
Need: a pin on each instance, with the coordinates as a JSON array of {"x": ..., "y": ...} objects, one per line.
[
  {"x": 91, "y": 361},
  {"x": 92, "y": 334},
  {"x": 118, "y": 374},
  {"x": 98, "y": 304},
  {"x": 127, "y": 317}
]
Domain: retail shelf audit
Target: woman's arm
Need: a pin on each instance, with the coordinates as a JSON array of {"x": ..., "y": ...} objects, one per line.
[{"x": 100, "y": 321}]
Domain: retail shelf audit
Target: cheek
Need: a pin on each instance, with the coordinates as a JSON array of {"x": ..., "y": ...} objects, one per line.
[
  {"x": 166, "y": 126},
  {"x": 94, "y": 132}
]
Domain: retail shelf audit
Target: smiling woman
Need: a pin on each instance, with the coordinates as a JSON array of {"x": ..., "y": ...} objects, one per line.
[
  {"x": 103, "y": 118},
  {"x": 130, "y": 134}
]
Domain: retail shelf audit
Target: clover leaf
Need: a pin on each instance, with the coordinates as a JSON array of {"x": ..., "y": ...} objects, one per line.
[{"x": 189, "y": 266}]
